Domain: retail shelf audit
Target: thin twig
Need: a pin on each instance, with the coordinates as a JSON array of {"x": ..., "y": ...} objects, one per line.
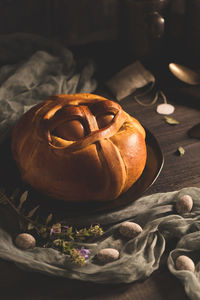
[{"x": 2, "y": 195}]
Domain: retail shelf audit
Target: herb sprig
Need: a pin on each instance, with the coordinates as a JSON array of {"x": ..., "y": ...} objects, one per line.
[{"x": 59, "y": 236}]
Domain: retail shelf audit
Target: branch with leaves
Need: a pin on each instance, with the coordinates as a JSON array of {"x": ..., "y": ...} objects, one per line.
[
  {"x": 58, "y": 236},
  {"x": 27, "y": 218}
]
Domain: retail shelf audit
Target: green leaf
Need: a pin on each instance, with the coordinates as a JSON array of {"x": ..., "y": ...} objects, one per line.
[
  {"x": 180, "y": 151},
  {"x": 31, "y": 213},
  {"x": 49, "y": 218},
  {"x": 22, "y": 199},
  {"x": 30, "y": 226},
  {"x": 171, "y": 121}
]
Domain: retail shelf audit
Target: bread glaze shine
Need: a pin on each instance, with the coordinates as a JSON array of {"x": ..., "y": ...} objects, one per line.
[{"x": 79, "y": 147}]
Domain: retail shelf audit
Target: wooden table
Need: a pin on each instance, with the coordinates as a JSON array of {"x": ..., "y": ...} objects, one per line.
[{"x": 178, "y": 172}]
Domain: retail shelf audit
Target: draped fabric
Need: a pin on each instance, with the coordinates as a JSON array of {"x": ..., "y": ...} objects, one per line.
[
  {"x": 139, "y": 256},
  {"x": 31, "y": 69}
]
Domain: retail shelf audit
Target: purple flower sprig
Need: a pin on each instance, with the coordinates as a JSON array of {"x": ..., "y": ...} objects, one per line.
[
  {"x": 66, "y": 232},
  {"x": 84, "y": 252},
  {"x": 64, "y": 238},
  {"x": 78, "y": 256}
]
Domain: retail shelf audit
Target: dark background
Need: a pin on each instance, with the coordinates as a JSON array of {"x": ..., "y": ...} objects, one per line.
[{"x": 121, "y": 25}]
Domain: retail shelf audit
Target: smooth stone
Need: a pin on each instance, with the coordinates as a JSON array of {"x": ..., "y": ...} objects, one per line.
[
  {"x": 25, "y": 241},
  {"x": 184, "y": 204},
  {"x": 130, "y": 229},
  {"x": 185, "y": 263},
  {"x": 107, "y": 255}
]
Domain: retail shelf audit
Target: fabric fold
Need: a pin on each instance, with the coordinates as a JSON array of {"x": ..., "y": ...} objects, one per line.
[
  {"x": 32, "y": 68},
  {"x": 139, "y": 257}
]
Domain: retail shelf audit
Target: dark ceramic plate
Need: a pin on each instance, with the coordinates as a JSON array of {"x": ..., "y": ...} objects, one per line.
[{"x": 155, "y": 161}]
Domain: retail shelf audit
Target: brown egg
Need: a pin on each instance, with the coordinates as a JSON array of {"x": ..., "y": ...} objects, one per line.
[
  {"x": 185, "y": 263},
  {"x": 184, "y": 204},
  {"x": 104, "y": 120},
  {"x": 130, "y": 229},
  {"x": 25, "y": 241},
  {"x": 108, "y": 255},
  {"x": 70, "y": 130}
]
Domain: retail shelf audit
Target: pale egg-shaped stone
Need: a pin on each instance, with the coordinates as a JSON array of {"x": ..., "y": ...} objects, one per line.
[
  {"x": 183, "y": 262},
  {"x": 184, "y": 204},
  {"x": 107, "y": 255},
  {"x": 130, "y": 229},
  {"x": 25, "y": 241}
]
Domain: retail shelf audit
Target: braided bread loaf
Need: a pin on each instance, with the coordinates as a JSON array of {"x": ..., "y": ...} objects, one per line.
[{"x": 80, "y": 147}]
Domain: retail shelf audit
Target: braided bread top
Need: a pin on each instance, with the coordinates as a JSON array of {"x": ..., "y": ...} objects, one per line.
[{"x": 79, "y": 147}]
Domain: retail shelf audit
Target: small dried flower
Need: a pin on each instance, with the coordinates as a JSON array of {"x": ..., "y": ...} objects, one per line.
[
  {"x": 95, "y": 230},
  {"x": 57, "y": 228},
  {"x": 84, "y": 252},
  {"x": 64, "y": 227},
  {"x": 77, "y": 258}
]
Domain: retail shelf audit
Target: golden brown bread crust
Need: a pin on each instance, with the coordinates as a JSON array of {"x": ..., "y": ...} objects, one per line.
[{"x": 103, "y": 157}]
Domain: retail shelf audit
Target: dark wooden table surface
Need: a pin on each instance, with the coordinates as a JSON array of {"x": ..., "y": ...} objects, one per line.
[{"x": 178, "y": 172}]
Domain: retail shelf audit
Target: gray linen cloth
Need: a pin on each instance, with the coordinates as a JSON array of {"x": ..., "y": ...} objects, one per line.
[
  {"x": 31, "y": 69},
  {"x": 139, "y": 256}
]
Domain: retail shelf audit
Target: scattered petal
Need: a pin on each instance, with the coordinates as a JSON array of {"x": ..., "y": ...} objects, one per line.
[
  {"x": 180, "y": 151},
  {"x": 171, "y": 121}
]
